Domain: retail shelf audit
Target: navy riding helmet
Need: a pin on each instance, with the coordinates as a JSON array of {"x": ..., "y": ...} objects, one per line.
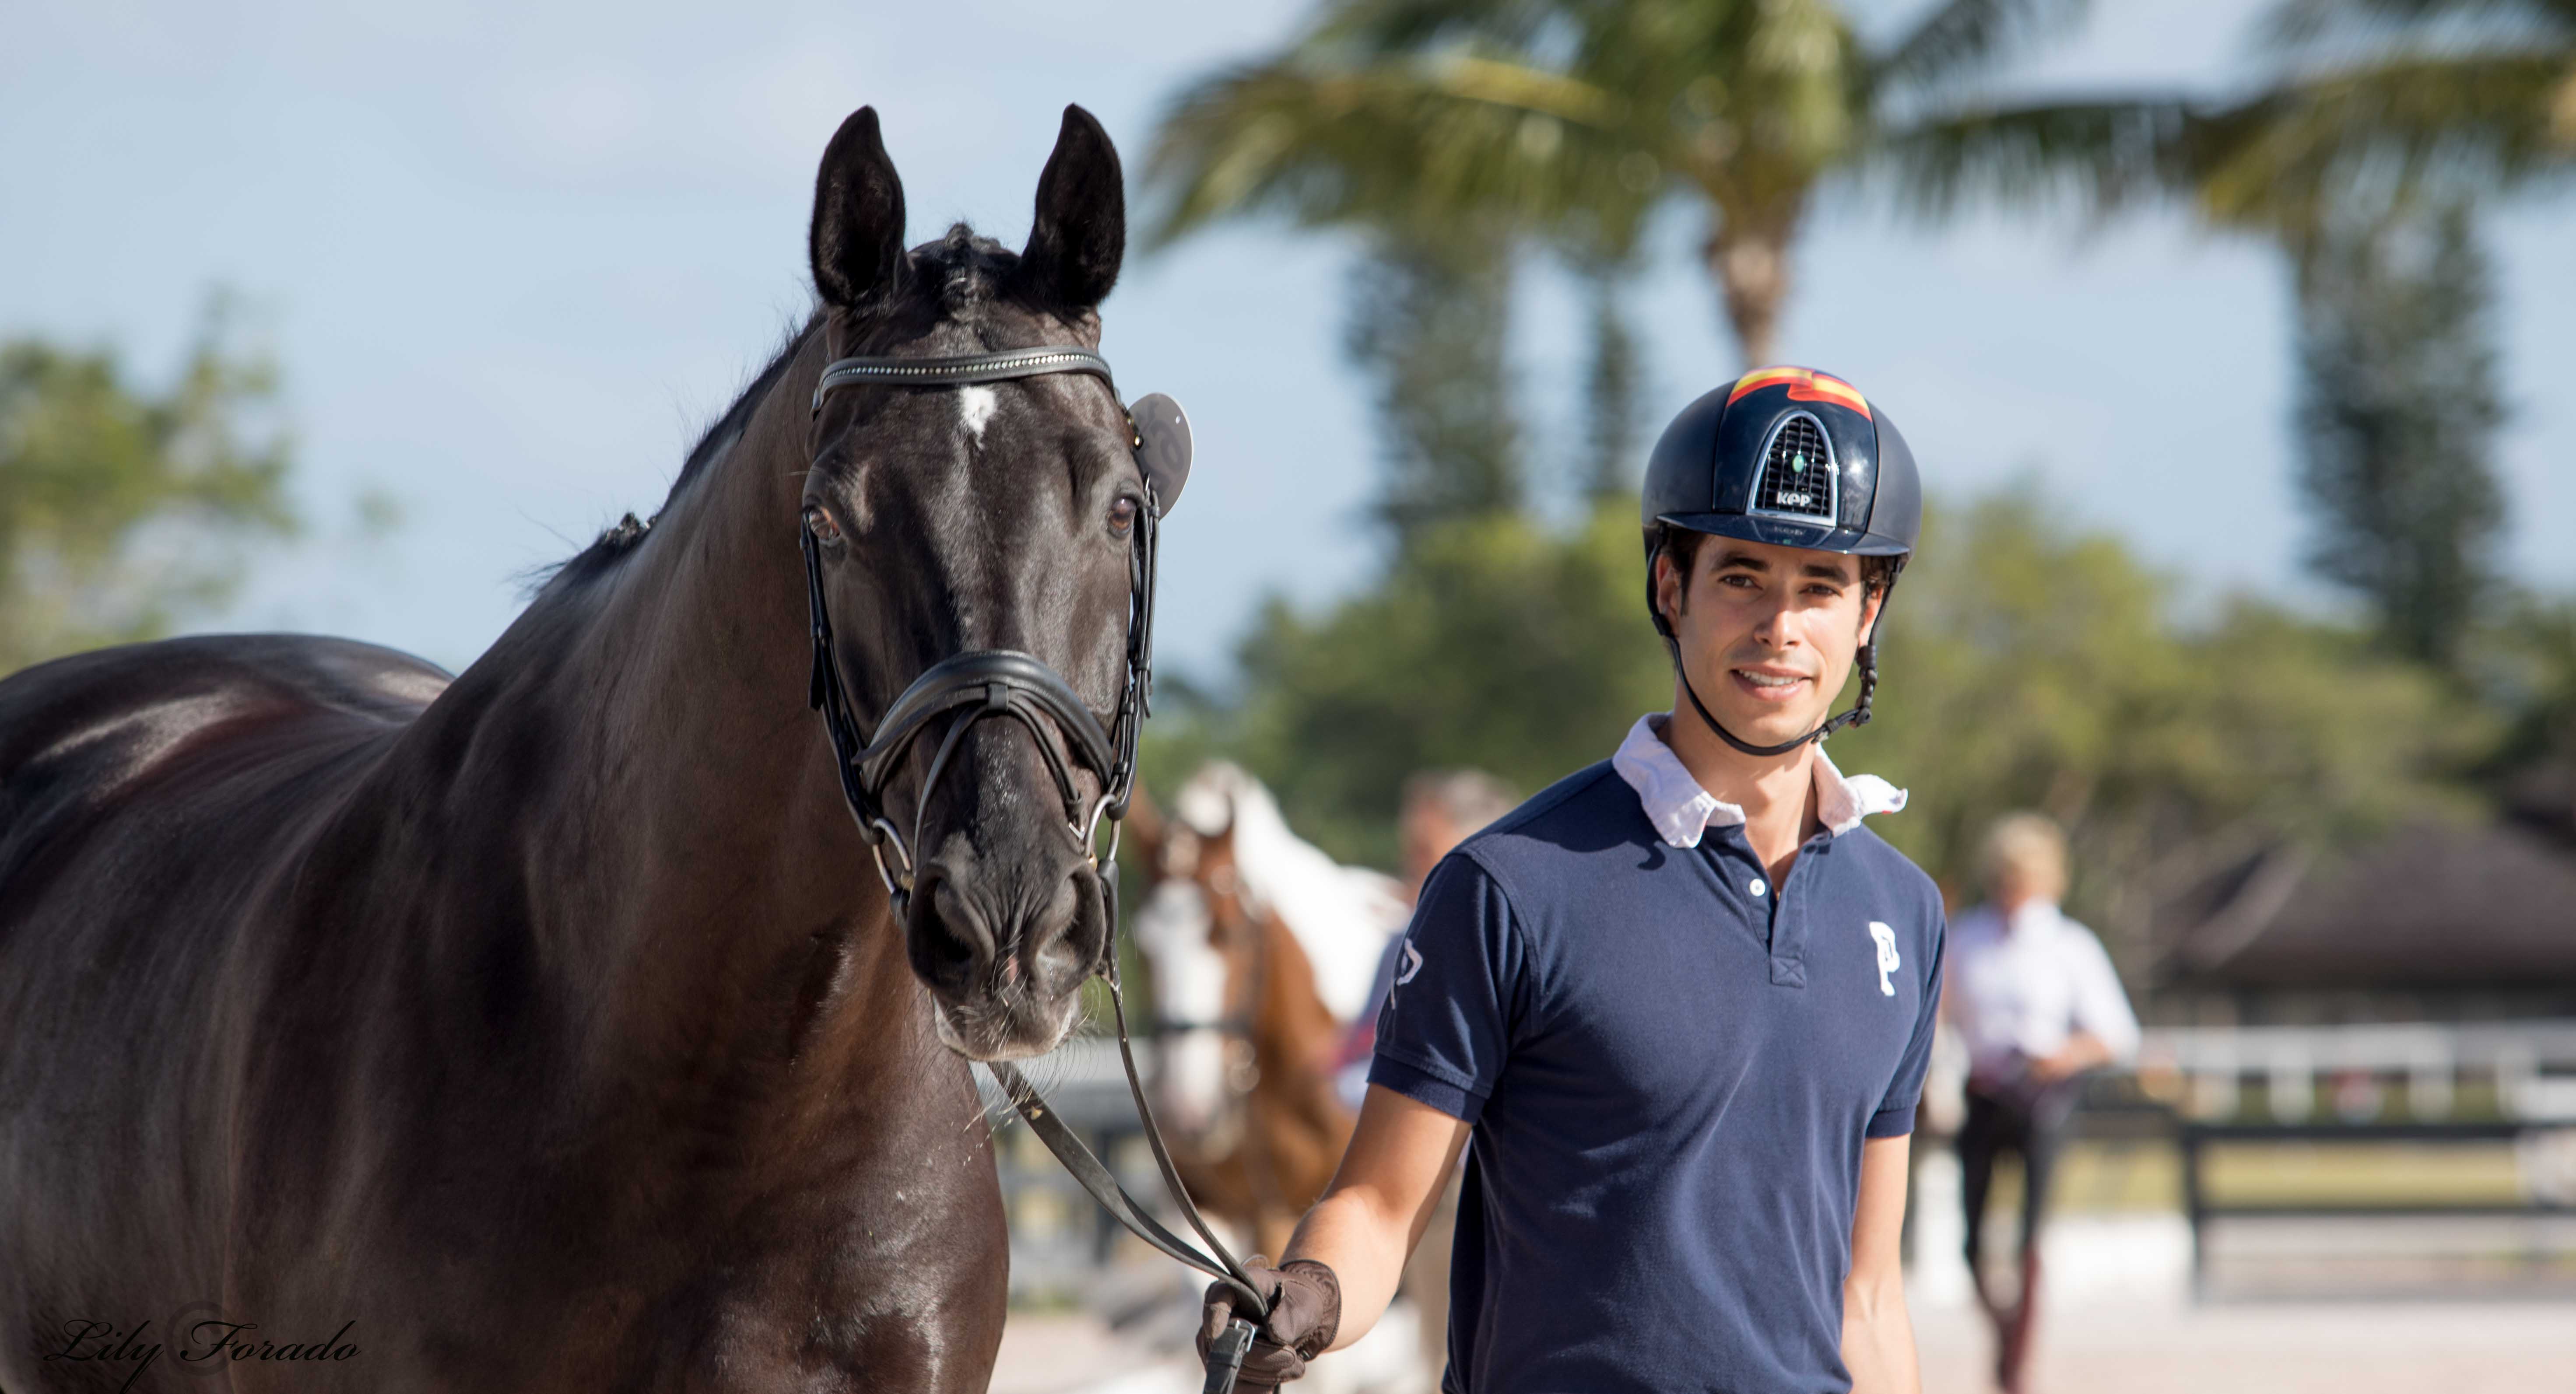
[{"x": 1794, "y": 458}]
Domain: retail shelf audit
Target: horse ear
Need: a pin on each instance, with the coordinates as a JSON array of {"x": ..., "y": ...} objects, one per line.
[
  {"x": 1080, "y": 234},
  {"x": 857, "y": 236}
]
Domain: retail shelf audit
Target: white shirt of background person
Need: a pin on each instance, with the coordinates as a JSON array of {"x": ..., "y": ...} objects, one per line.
[{"x": 2031, "y": 992}]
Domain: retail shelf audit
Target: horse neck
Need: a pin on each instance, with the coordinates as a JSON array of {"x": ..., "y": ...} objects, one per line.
[
  {"x": 708, "y": 891},
  {"x": 1293, "y": 1032}
]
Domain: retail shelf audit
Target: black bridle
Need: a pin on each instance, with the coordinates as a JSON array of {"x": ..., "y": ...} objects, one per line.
[
  {"x": 981, "y": 683},
  {"x": 971, "y": 686}
]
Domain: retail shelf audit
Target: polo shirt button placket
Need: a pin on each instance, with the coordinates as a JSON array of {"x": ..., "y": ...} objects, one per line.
[{"x": 1788, "y": 938}]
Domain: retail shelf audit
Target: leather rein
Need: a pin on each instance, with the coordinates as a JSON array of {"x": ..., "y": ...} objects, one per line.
[{"x": 978, "y": 684}]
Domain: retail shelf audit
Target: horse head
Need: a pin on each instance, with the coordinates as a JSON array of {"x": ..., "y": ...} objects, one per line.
[{"x": 1002, "y": 517}]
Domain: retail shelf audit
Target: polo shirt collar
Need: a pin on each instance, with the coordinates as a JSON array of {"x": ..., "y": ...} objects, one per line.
[{"x": 1681, "y": 810}]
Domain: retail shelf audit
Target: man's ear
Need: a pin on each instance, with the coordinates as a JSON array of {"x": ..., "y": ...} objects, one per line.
[
  {"x": 1872, "y": 600},
  {"x": 1668, "y": 585}
]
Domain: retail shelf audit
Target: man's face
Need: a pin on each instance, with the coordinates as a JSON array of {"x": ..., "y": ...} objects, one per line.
[{"x": 1767, "y": 633}]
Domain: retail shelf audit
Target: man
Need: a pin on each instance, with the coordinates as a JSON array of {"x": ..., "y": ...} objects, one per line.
[
  {"x": 2037, "y": 1005},
  {"x": 1678, "y": 1005}
]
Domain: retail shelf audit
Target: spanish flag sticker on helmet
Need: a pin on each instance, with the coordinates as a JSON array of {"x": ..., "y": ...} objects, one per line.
[{"x": 1805, "y": 385}]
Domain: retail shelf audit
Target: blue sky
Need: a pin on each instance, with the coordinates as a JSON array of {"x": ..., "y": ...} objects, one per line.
[{"x": 512, "y": 257}]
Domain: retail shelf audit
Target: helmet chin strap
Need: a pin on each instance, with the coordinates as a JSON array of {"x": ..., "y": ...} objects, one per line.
[{"x": 1857, "y": 716}]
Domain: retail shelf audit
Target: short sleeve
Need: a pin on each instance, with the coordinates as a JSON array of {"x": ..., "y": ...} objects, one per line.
[
  {"x": 1895, "y": 1116},
  {"x": 2101, "y": 1007},
  {"x": 1459, "y": 987}
]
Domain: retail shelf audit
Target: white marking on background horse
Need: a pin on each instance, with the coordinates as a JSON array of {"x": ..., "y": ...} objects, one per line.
[
  {"x": 976, "y": 405},
  {"x": 1189, "y": 986},
  {"x": 1340, "y": 916}
]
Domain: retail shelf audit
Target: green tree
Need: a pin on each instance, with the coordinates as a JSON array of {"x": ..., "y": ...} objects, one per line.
[
  {"x": 1495, "y": 642},
  {"x": 1612, "y": 388},
  {"x": 122, "y": 510},
  {"x": 1429, "y": 322},
  {"x": 1574, "y": 120},
  {"x": 2397, "y": 414},
  {"x": 2527, "y": 667}
]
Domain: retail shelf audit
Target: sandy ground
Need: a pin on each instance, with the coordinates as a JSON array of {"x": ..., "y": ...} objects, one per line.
[{"x": 2118, "y": 1322}]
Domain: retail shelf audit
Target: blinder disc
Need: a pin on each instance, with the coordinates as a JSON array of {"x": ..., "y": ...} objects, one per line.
[{"x": 1164, "y": 430}]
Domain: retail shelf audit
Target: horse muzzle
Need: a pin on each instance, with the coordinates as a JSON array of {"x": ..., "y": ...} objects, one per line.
[{"x": 1004, "y": 943}]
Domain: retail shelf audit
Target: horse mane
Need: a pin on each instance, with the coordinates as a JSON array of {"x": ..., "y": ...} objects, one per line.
[
  {"x": 960, "y": 271},
  {"x": 1340, "y": 914}
]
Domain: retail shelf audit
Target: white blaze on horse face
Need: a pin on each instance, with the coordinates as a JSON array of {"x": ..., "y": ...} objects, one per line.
[
  {"x": 976, "y": 405},
  {"x": 1189, "y": 986}
]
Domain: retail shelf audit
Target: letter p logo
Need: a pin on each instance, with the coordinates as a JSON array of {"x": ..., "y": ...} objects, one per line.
[{"x": 1887, "y": 960}]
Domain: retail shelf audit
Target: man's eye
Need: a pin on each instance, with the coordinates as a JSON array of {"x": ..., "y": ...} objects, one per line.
[{"x": 1122, "y": 514}]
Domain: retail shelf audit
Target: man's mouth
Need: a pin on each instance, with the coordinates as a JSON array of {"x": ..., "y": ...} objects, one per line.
[{"x": 1766, "y": 684}]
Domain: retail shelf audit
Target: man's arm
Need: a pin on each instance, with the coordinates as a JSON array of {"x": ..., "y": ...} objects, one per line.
[
  {"x": 1878, "y": 1336},
  {"x": 1374, "y": 1212}
]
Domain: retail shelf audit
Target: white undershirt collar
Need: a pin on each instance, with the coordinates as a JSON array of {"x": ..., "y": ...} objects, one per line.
[{"x": 1681, "y": 810}]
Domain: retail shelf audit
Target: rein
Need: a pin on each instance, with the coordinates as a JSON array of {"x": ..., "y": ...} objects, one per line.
[{"x": 985, "y": 683}]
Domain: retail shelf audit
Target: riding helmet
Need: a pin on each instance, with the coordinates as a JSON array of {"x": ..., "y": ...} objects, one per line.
[{"x": 1791, "y": 457}]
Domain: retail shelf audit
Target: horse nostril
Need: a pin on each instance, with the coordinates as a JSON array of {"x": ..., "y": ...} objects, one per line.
[
  {"x": 949, "y": 938},
  {"x": 1064, "y": 938}
]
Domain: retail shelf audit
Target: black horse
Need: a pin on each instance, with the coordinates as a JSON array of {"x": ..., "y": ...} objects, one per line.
[{"x": 548, "y": 1028}]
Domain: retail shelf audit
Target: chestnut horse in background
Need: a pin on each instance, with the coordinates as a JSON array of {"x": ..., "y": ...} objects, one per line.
[
  {"x": 547, "y": 1027},
  {"x": 1262, "y": 950}
]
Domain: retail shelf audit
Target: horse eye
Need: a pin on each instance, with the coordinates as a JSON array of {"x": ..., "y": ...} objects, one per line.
[
  {"x": 819, "y": 520},
  {"x": 1122, "y": 515}
]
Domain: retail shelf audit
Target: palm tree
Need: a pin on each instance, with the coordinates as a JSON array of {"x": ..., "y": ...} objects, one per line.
[
  {"x": 1572, "y": 120},
  {"x": 2439, "y": 100},
  {"x": 2373, "y": 107}
]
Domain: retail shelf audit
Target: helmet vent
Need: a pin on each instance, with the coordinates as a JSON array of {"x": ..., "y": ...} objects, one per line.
[{"x": 1798, "y": 475}]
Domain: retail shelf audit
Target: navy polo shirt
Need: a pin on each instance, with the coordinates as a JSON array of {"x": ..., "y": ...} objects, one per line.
[{"x": 1670, "y": 1066}]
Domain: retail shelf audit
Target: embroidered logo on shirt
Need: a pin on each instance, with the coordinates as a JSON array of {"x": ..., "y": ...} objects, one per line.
[
  {"x": 1411, "y": 964},
  {"x": 1887, "y": 961}
]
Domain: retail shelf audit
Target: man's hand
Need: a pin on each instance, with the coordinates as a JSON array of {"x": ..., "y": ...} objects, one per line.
[
  {"x": 1305, "y": 1301},
  {"x": 2083, "y": 1051}
]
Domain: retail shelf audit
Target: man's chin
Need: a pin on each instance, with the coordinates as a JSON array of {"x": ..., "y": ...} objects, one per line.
[{"x": 1768, "y": 727}]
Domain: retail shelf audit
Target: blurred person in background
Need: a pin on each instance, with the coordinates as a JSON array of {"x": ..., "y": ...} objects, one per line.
[
  {"x": 2034, "y": 999},
  {"x": 1441, "y": 809}
]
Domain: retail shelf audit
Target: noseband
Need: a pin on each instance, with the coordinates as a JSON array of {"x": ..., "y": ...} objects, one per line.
[{"x": 982, "y": 683}]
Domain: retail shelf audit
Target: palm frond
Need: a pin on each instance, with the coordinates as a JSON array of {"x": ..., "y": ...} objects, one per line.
[
  {"x": 1401, "y": 142},
  {"x": 2307, "y": 25},
  {"x": 2431, "y": 126},
  {"x": 1966, "y": 38},
  {"x": 2102, "y": 156},
  {"x": 1386, "y": 27}
]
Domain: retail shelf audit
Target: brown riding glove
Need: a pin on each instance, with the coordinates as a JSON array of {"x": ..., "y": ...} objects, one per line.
[{"x": 1305, "y": 1310}]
